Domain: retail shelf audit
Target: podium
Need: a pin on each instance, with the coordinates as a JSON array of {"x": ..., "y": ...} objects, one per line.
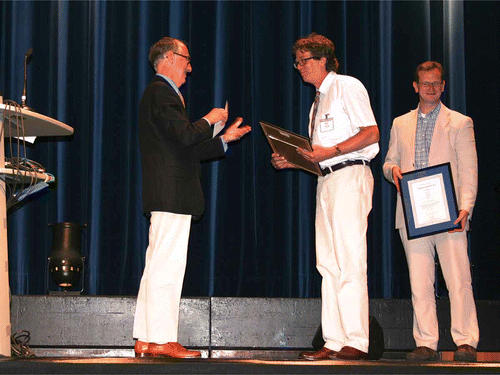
[{"x": 34, "y": 124}]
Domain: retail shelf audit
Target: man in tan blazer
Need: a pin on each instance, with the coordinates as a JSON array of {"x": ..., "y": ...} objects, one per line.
[{"x": 430, "y": 135}]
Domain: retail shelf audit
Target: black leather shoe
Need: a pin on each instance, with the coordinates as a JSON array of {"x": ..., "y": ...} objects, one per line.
[
  {"x": 465, "y": 353},
  {"x": 323, "y": 353},
  {"x": 349, "y": 353},
  {"x": 422, "y": 353}
]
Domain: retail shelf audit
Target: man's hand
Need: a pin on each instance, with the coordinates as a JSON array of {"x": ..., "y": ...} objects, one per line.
[
  {"x": 396, "y": 176},
  {"x": 279, "y": 162},
  {"x": 462, "y": 219},
  {"x": 235, "y": 131},
  {"x": 217, "y": 114},
  {"x": 319, "y": 153}
]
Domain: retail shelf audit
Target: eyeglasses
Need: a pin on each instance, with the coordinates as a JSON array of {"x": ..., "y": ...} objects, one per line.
[
  {"x": 188, "y": 58},
  {"x": 302, "y": 62},
  {"x": 430, "y": 84}
]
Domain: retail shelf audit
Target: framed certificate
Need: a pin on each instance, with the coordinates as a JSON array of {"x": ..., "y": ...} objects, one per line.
[
  {"x": 285, "y": 143},
  {"x": 429, "y": 201}
]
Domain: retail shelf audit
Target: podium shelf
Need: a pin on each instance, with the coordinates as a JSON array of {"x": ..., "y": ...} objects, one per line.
[{"x": 35, "y": 124}]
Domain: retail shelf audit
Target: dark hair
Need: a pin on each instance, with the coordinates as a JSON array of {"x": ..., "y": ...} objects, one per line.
[
  {"x": 319, "y": 46},
  {"x": 158, "y": 50},
  {"x": 426, "y": 67}
]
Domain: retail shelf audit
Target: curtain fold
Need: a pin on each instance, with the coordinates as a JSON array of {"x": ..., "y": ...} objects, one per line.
[{"x": 90, "y": 67}]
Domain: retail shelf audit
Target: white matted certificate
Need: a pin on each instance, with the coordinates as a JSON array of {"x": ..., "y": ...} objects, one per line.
[
  {"x": 219, "y": 125},
  {"x": 429, "y": 201}
]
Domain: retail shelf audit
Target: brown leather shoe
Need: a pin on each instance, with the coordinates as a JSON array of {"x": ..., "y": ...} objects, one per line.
[
  {"x": 422, "y": 353},
  {"x": 465, "y": 353},
  {"x": 141, "y": 349},
  {"x": 323, "y": 353},
  {"x": 172, "y": 350},
  {"x": 349, "y": 353}
]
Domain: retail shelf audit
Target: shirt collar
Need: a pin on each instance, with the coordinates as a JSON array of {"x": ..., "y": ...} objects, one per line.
[
  {"x": 174, "y": 86},
  {"x": 327, "y": 82},
  {"x": 431, "y": 114}
]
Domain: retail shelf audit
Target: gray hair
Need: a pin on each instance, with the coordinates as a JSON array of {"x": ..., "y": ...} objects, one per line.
[{"x": 158, "y": 50}]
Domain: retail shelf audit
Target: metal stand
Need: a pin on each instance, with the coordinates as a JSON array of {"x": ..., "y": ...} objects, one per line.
[{"x": 5, "y": 329}]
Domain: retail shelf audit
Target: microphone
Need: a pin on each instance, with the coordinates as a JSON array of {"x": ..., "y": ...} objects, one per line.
[{"x": 27, "y": 58}]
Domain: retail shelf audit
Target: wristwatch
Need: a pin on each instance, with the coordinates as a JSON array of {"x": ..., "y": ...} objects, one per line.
[{"x": 338, "y": 151}]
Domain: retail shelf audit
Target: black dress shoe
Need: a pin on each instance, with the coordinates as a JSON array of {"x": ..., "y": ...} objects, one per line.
[
  {"x": 422, "y": 353},
  {"x": 323, "y": 353},
  {"x": 350, "y": 354},
  {"x": 465, "y": 353}
]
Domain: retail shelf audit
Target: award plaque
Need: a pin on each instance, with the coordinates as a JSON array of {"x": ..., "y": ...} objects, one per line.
[
  {"x": 285, "y": 143},
  {"x": 429, "y": 201}
]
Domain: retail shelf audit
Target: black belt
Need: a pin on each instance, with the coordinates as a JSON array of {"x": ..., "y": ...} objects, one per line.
[{"x": 343, "y": 164}]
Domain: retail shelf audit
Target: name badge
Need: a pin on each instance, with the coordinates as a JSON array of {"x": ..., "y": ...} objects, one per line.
[{"x": 326, "y": 124}]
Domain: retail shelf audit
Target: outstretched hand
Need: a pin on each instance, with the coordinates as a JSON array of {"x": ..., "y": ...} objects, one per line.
[{"x": 235, "y": 131}]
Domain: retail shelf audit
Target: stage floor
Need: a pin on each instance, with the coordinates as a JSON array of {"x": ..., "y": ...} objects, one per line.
[{"x": 122, "y": 365}]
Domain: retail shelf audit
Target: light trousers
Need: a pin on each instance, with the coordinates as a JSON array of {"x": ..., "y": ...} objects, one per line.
[
  {"x": 343, "y": 202},
  {"x": 452, "y": 253},
  {"x": 158, "y": 301}
]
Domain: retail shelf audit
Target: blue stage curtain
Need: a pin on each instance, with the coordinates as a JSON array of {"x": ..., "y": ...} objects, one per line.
[{"x": 89, "y": 70}]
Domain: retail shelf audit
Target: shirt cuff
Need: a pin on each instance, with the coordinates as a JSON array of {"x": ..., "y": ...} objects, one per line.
[{"x": 224, "y": 144}]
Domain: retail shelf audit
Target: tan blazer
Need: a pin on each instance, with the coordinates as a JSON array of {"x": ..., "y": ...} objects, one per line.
[{"x": 453, "y": 141}]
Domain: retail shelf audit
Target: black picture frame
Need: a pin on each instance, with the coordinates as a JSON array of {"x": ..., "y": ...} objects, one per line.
[{"x": 429, "y": 201}]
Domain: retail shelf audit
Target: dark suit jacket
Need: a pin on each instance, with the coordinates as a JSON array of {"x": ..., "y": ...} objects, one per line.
[{"x": 171, "y": 150}]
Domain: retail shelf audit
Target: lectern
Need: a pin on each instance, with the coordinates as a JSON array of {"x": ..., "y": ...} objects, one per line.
[{"x": 34, "y": 124}]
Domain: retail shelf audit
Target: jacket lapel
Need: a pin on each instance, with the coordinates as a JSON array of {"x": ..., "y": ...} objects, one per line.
[
  {"x": 412, "y": 129},
  {"x": 440, "y": 132},
  {"x": 158, "y": 78}
]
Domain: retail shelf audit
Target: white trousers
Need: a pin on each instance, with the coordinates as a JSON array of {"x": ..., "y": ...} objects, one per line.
[
  {"x": 343, "y": 202},
  {"x": 452, "y": 253},
  {"x": 157, "y": 310}
]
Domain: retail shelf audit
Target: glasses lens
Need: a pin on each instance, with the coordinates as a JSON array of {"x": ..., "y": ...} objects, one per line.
[{"x": 302, "y": 62}]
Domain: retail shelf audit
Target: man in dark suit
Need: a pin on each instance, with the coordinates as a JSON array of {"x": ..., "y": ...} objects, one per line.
[{"x": 171, "y": 150}]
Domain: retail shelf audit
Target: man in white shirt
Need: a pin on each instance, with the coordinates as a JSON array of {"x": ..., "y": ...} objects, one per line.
[{"x": 344, "y": 137}]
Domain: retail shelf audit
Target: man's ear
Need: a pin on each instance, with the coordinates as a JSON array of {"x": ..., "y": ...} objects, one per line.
[{"x": 169, "y": 57}]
